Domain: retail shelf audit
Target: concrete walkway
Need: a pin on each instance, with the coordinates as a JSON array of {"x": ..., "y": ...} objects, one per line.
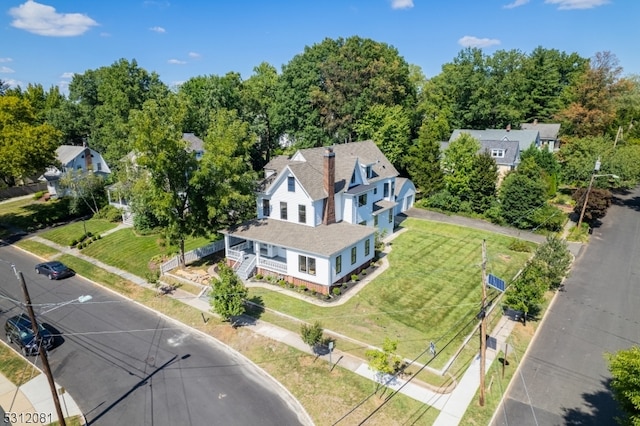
[
  {"x": 33, "y": 397},
  {"x": 452, "y": 405}
]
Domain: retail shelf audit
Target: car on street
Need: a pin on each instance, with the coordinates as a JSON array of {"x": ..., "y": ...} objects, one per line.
[
  {"x": 54, "y": 270},
  {"x": 19, "y": 330}
]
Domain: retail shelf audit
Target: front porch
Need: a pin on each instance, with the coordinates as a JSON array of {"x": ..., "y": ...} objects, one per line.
[{"x": 245, "y": 256}]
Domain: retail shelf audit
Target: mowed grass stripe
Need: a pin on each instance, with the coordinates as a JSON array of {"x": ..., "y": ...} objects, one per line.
[{"x": 433, "y": 284}]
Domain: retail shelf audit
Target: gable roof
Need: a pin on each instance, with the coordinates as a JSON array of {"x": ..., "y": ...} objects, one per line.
[
  {"x": 511, "y": 150},
  {"x": 67, "y": 153},
  {"x": 548, "y": 131},
  {"x": 525, "y": 137},
  {"x": 307, "y": 165}
]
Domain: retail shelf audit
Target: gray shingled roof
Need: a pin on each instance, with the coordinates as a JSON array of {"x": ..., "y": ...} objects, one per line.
[
  {"x": 66, "y": 153},
  {"x": 309, "y": 171},
  {"x": 195, "y": 143},
  {"x": 321, "y": 240},
  {"x": 548, "y": 131},
  {"x": 511, "y": 150},
  {"x": 525, "y": 137}
]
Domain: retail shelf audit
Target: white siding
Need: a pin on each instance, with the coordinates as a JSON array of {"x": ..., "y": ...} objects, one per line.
[
  {"x": 347, "y": 266},
  {"x": 348, "y": 209},
  {"x": 293, "y": 200},
  {"x": 323, "y": 268}
]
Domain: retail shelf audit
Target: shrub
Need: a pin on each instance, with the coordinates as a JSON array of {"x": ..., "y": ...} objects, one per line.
[
  {"x": 109, "y": 213},
  {"x": 89, "y": 235},
  {"x": 269, "y": 278},
  {"x": 443, "y": 200},
  {"x": 259, "y": 277},
  {"x": 364, "y": 272},
  {"x": 303, "y": 288},
  {"x": 282, "y": 283},
  {"x": 73, "y": 243},
  {"x": 337, "y": 291},
  {"x": 519, "y": 246},
  {"x": 354, "y": 277},
  {"x": 313, "y": 292},
  {"x": 39, "y": 194}
]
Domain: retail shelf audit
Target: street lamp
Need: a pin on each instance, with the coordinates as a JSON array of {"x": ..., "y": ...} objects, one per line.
[
  {"x": 80, "y": 299},
  {"x": 586, "y": 196}
]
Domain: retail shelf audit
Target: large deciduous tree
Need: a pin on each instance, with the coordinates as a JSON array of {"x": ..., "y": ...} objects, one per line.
[
  {"x": 598, "y": 203},
  {"x": 330, "y": 86},
  {"x": 591, "y": 109},
  {"x": 258, "y": 98},
  {"x": 203, "y": 95},
  {"x": 26, "y": 146},
  {"x": 103, "y": 100},
  {"x": 390, "y": 128}
]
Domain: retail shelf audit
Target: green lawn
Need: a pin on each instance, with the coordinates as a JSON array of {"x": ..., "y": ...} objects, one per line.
[
  {"x": 28, "y": 214},
  {"x": 127, "y": 250},
  {"x": 431, "y": 290},
  {"x": 64, "y": 235}
]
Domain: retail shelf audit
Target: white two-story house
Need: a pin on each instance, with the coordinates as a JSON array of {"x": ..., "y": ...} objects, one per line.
[
  {"x": 73, "y": 159},
  {"x": 318, "y": 215}
]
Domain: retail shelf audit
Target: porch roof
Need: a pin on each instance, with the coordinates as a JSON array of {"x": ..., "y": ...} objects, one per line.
[{"x": 323, "y": 240}]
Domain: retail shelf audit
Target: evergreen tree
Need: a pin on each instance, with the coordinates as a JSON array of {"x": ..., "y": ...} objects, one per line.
[
  {"x": 521, "y": 194},
  {"x": 423, "y": 164},
  {"x": 484, "y": 176}
]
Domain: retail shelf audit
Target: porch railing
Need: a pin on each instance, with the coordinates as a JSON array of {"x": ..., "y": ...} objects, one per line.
[{"x": 272, "y": 265}]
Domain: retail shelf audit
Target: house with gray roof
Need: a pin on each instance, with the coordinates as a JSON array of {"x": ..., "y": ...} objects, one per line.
[
  {"x": 318, "y": 212},
  {"x": 525, "y": 138},
  {"x": 548, "y": 133},
  {"x": 73, "y": 159},
  {"x": 505, "y": 153}
]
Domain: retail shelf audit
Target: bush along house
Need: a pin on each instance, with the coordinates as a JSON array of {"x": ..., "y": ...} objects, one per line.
[{"x": 318, "y": 215}]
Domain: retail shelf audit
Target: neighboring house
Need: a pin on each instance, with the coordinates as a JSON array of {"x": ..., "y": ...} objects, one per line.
[
  {"x": 116, "y": 193},
  {"x": 73, "y": 159},
  {"x": 405, "y": 195},
  {"x": 525, "y": 138},
  {"x": 505, "y": 153},
  {"x": 548, "y": 133},
  {"x": 318, "y": 215}
]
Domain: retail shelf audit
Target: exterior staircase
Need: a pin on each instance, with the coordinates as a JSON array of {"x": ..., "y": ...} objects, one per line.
[{"x": 248, "y": 265}]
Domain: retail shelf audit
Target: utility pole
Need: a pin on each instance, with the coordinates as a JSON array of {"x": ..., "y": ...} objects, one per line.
[
  {"x": 483, "y": 323},
  {"x": 41, "y": 350},
  {"x": 596, "y": 169}
]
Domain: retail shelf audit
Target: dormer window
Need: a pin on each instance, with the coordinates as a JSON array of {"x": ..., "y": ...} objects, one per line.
[
  {"x": 369, "y": 172},
  {"x": 497, "y": 153}
]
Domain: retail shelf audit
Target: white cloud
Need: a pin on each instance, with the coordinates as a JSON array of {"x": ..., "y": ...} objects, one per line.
[
  {"x": 401, "y": 4},
  {"x": 6, "y": 70},
  {"x": 516, "y": 3},
  {"x": 13, "y": 83},
  {"x": 176, "y": 62},
  {"x": 43, "y": 20},
  {"x": 577, "y": 4},
  {"x": 158, "y": 30},
  {"x": 195, "y": 55},
  {"x": 4, "y": 60},
  {"x": 471, "y": 41},
  {"x": 67, "y": 75}
]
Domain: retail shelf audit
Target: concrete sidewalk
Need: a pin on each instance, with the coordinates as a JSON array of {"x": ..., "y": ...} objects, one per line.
[
  {"x": 33, "y": 398},
  {"x": 452, "y": 405}
]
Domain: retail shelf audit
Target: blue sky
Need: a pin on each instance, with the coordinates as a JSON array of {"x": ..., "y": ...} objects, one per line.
[{"x": 46, "y": 41}]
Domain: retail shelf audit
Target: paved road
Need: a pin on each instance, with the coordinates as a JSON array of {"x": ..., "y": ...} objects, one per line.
[
  {"x": 126, "y": 365},
  {"x": 564, "y": 379}
]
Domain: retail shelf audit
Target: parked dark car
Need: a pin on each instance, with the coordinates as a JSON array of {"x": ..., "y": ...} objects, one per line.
[
  {"x": 54, "y": 270},
  {"x": 18, "y": 330}
]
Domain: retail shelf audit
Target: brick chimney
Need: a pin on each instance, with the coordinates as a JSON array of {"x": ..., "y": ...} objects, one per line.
[
  {"x": 87, "y": 156},
  {"x": 329, "y": 182}
]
